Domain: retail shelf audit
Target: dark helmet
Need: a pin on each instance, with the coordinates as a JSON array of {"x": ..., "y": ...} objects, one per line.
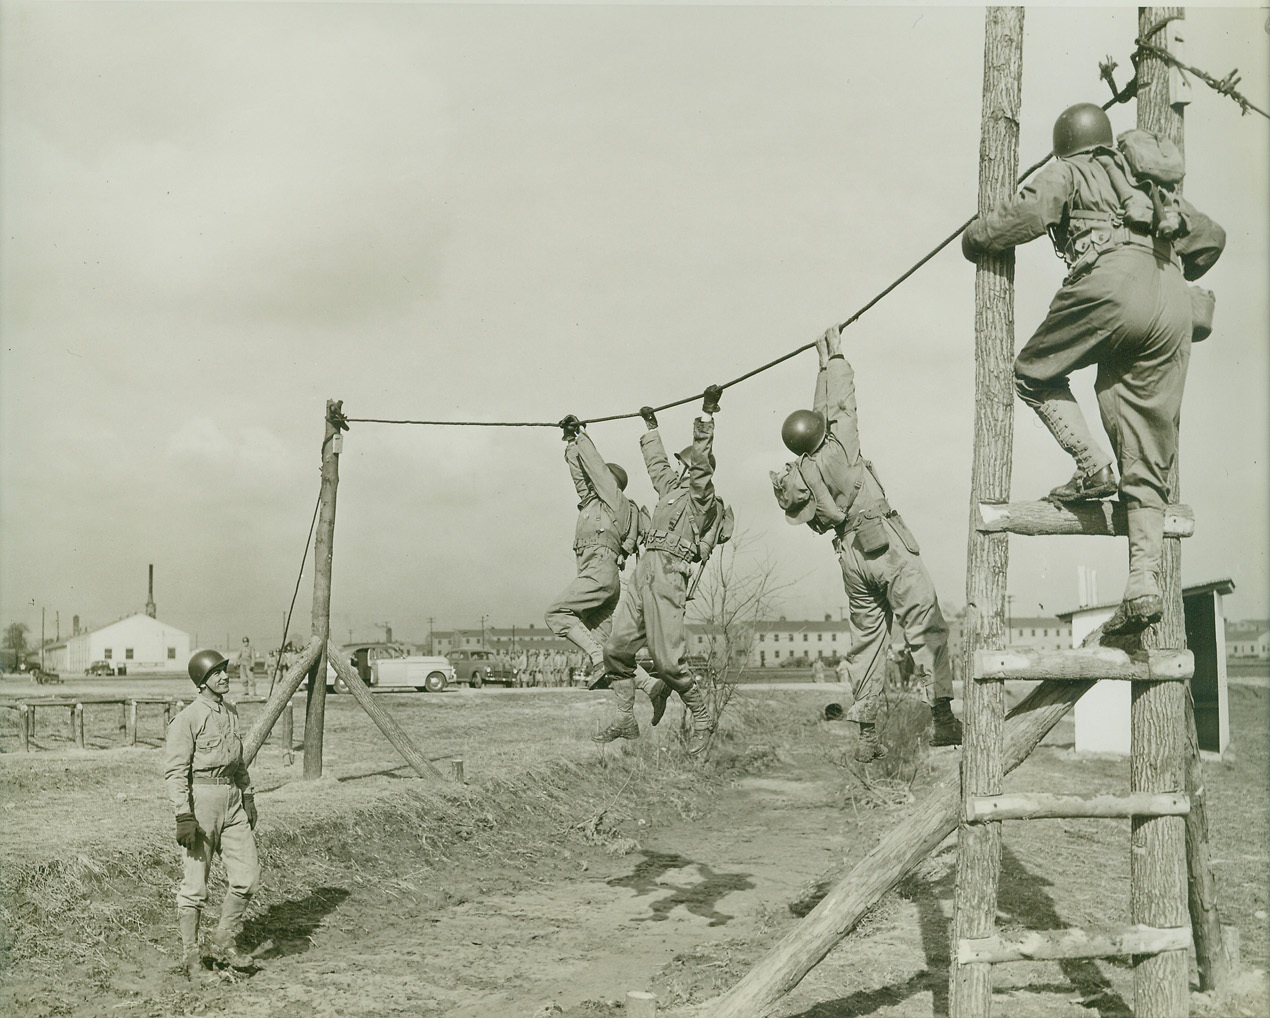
[
  {"x": 1080, "y": 128},
  {"x": 803, "y": 431},
  {"x": 833, "y": 711},
  {"x": 206, "y": 663},
  {"x": 619, "y": 475}
]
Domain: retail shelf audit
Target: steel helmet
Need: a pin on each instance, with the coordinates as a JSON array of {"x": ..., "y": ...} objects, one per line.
[
  {"x": 1080, "y": 128},
  {"x": 803, "y": 431},
  {"x": 206, "y": 663},
  {"x": 619, "y": 475}
]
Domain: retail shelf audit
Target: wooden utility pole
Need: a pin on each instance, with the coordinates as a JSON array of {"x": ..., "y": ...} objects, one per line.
[
  {"x": 1158, "y": 892},
  {"x": 315, "y": 710},
  {"x": 987, "y": 554}
]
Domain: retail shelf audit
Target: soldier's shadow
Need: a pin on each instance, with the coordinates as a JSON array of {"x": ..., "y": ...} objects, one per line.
[{"x": 288, "y": 927}]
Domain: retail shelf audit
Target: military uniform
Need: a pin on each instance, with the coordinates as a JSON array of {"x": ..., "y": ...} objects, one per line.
[
  {"x": 205, "y": 775},
  {"x": 246, "y": 668},
  {"x": 652, "y": 616},
  {"x": 1124, "y": 307},
  {"x": 882, "y": 570}
]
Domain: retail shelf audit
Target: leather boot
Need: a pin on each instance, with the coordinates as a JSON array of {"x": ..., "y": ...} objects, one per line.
[
  {"x": 1142, "y": 605},
  {"x": 1059, "y": 411},
  {"x": 191, "y": 957},
  {"x": 1134, "y": 615},
  {"x": 1086, "y": 487},
  {"x": 623, "y": 727},
  {"x": 658, "y": 692},
  {"x": 947, "y": 727},
  {"x": 868, "y": 748},
  {"x": 225, "y": 950},
  {"x": 702, "y": 723}
]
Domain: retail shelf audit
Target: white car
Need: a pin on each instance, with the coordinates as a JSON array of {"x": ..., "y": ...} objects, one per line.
[{"x": 389, "y": 667}]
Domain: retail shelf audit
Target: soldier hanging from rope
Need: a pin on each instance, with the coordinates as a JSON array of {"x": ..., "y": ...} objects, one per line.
[
  {"x": 607, "y": 532},
  {"x": 831, "y": 487},
  {"x": 1128, "y": 241},
  {"x": 687, "y": 523}
]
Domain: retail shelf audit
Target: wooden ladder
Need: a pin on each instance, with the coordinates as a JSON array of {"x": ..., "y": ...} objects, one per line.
[{"x": 1160, "y": 932}]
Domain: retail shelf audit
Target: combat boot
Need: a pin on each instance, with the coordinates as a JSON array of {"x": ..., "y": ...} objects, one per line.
[
  {"x": 225, "y": 950},
  {"x": 1086, "y": 487},
  {"x": 659, "y": 697},
  {"x": 599, "y": 677},
  {"x": 947, "y": 727},
  {"x": 624, "y": 727},
  {"x": 868, "y": 748},
  {"x": 1134, "y": 615},
  {"x": 702, "y": 723},
  {"x": 191, "y": 957}
]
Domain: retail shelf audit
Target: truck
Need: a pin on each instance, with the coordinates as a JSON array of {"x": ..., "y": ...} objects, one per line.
[{"x": 477, "y": 667}]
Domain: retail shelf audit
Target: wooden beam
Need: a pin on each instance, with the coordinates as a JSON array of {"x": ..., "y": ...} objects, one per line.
[
  {"x": 323, "y": 550},
  {"x": 1216, "y": 961},
  {"x": 386, "y": 723},
  {"x": 1043, "y": 806},
  {"x": 1084, "y": 663},
  {"x": 280, "y": 700},
  {"x": 907, "y": 844},
  {"x": 1044, "y": 945},
  {"x": 1098, "y": 519}
]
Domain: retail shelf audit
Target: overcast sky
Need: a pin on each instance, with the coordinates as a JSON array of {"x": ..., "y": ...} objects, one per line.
[{"x": 217, "y": 216}]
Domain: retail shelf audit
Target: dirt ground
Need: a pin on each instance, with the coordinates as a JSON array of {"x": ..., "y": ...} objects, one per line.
[{"x": 563, "y": 875}]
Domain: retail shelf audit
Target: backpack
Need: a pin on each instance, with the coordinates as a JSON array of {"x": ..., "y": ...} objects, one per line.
[
  {"x": 638, "y": 524},
  {"x": 718, "y": 530},
  {"x": 1155, "y": 166}
]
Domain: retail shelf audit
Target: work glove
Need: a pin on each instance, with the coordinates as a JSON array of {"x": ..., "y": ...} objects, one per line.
[
  {"x": 710, "y": 405},
  {"x": 650, "y": 418},
  {"x": 186, "y": 831},
  {"x": 570, "y": 425},
  {"x": 249, "y": 804}
]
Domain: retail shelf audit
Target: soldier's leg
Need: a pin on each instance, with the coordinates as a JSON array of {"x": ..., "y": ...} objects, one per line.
[
  {"x": 668, "y": 644},
  {"x": 866, "y": 659},
  {"x": 196, "y": 865},
  {"x": 626, "y": 636},
  {"x": 1140, "y": 398},
  {"x": 1070, "y": 337},
  {"x": 912, "y": 597},
  {"x": 242, "y": 876},
  {"x": 593, "y": 592}
]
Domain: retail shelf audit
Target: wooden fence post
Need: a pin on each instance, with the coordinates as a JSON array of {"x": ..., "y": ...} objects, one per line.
[
  {"x": 77, "y": 724},
  {"x": 315, "y": 713},
  {"x": 987, "y": 555},
  {"x": 27, "y": 728},
  {"x": 130, "y": 732}
]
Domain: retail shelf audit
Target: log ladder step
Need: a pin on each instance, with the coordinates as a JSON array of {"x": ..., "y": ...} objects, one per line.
[
  {"x": 1084, "y": 664},
  {"x": 1075, "y": 943},
  {"x": 1043, "y": 806},
  {"x": 1099, "y": 519}
]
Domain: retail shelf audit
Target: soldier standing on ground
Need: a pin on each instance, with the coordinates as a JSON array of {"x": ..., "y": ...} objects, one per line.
[
  {"x": 684, "y": 525},
  {"x": 211, "y": 793},
  {"x": 831, "y": 487},
  {"x": 246, "y": 662},
  {"x": 605, "y": 534},
  {"x": 1123, "y": 306}
]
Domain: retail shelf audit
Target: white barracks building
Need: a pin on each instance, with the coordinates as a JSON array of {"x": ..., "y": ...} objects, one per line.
[{"x": 135, "y": 644}]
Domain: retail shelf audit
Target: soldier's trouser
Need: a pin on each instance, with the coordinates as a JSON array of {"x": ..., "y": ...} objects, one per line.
[
  {"x": 247, "y": 678},
  {"x": 892, "y": 584},
  {"x": 652, "y": 616},
  {"x": 222, "y": 828},
  {"x": 1130, "y": 315},
  {"x": 583, "y": 613}
]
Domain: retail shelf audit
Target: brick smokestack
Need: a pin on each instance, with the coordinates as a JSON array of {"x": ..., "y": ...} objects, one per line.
[{"x": 150, "y": 609}]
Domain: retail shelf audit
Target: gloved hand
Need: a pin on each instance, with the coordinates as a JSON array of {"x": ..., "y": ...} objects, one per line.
[
  {"x": 249, "y": 804},
  {"x": 833, "y": 341},
  {"x": 570, "y": 425},
  {"x": 822, "y": 351},
  {"x": 186, "y": 831},
  {"x": 650, "y": 418},
  {"x": 710, "y": 405}
]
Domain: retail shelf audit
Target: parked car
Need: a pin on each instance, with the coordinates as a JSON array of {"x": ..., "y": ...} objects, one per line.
[
  {"x": 477, "y": 667},
  {"x": 100, "y": 668},
  {"x": 390, "y": 667}
]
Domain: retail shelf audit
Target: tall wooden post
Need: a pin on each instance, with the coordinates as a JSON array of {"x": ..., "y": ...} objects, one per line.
[
  {"x": 1158, "y": 891},
  {"x": 324, "y": 544},
  {"x": 987, "y": 555}
]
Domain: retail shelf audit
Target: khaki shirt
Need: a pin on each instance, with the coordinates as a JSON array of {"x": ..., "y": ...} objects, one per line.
[
  {"x": 1080, "y": 183},
  {"x": 694, "y": 482},
  {"x": 203, "y": 741},
  {"x": 839, "y": 460},
  {"x": 603, "y": 508}
]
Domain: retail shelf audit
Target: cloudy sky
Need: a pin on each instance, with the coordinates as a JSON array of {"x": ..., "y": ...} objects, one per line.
[{"x": 217, "y": 216}]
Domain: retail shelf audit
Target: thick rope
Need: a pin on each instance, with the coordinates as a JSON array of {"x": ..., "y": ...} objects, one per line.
[{"x": 277, "y": 668}]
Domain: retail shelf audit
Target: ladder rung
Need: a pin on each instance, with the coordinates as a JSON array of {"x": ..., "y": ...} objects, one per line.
[
  {"x": 1074, "y": 943},
  {"x": 1105, "y": 519},
  {"x": 1083, "y": 664},
  {"x": 1042, "y": 805}
]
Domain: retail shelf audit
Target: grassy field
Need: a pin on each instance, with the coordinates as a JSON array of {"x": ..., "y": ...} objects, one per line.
[{"x": 561, "y": 874}]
